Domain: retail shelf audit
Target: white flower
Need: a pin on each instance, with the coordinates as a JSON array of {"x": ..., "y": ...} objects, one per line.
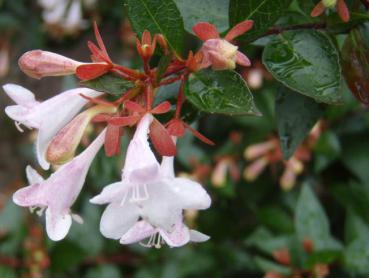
[
  {"x": 149, "y": 192},
  {"x": 48, "y": 116},
  {"x": 58, "y": 193}
]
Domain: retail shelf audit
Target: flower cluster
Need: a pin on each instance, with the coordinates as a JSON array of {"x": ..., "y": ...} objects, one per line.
[
  {"x": 149, "y": 201},
  {"x": 340, "y": 5}
]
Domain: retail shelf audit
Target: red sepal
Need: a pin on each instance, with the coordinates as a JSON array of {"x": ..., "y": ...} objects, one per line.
[
  {"x": 239, "y": 29},
  {"x": 134, "y": 107},
  {"x": 205, "y": 31},
  {"x": 97, "y": 100},
  {"x": 343, "y": 11},
  {"x": 92, "y": 71},
  {"x": 100, "y": 42},
  {"x": 101, "y": 118},
  {"x": 162, "y": 108},
  {"x": 161, "y": 139},
  {"x": 112, "y": 140},
  {"x": 199, "y": 135},
  {"x": 124, "y": 121},
  {"x": 318, "y": 9},
  {"x": 176, "y": 128}
]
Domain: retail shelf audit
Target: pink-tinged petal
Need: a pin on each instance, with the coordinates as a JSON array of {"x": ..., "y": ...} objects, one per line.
[
  {"x": 20, "y": 95},
  {"x": 57, "y": 224},
  {"x": 118, "y": 219},
  {"x": 30, "y": 196},
  {"x": 178, "y": 237},
  {"x": 239, "y": 29},
  {"x": 32, "y": 176},
  {"x": 20, "y": 114},
  {"x": 140, "y": 163},
  {"x": 138, "y": 232},
  {"x": 242, "y": 59},
  {"x": 196, "y": 236},
  {"x": 167, "y": 167},
  {"x": 111, "y": 193},
  {"x": 220, "y": 62},
  {"x": 343, "y": 10},
  {"x": 318, "y": 9},
  {"x": 190, "y": 194},
  {"x": 205, "y": 31}
]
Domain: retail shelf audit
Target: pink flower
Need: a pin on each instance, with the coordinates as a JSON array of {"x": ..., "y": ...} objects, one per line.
[
  {"x": 220, "y": 53},
  {"x": 48, "y": 116},
  {"x": 340, "y": 5},
  {"x": 58, "y": 193}
]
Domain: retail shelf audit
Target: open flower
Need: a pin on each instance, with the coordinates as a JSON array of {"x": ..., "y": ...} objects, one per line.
[
  {"x": 220, "y": 53},
  {"x": 340, "y": 5},
  {"x": 147, "y": 191},
  {"x": 48, "y": 116},
  {"x": 58, "y": 193}
]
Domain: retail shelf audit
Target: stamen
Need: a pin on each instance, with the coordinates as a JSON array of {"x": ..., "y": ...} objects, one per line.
[
  {"x": 18, "y": 126},
  {"x": 158, "y": 241},
  {"x": 150, "y": 242},
  {"x": 139, "y": 196}
]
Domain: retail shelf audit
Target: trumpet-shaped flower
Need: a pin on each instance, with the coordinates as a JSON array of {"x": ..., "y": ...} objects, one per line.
[
  {"x": 147, "y": 191},
  {"x": 58, "y": 193},
  {"x": 48, "y": 116}
]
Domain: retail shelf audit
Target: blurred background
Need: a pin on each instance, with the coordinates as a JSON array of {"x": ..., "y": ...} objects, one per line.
[{"x": 255, "y": 193}]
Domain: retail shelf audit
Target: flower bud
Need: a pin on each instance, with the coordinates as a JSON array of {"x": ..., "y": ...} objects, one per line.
[
  {"x": 63, "y": 146},
  {"x": 257, "y": 150},
  {"x": 254, "y": 170},
  {"x": 38, "y": 64},
  {"x": 220, "y": 53},
  {"x": 219, "y": 175},
  {"x": 329, "y": 3}
]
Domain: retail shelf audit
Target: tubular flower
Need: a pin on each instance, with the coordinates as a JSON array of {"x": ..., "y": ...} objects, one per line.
[
  {"x": 58, "y": 193},
  {"x": 220, "y": 53},
  {"x": 340, "y": 5},
  {"x": 48, "y": 116},
  {"x": 148, "y": 191}
]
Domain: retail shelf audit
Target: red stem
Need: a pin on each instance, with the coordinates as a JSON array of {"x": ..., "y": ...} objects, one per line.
[
  {"x": 170, "y": 80},
  {"x": 180, "y": 98}
]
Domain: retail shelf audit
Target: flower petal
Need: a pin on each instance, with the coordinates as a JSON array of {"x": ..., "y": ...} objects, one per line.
[
  {"x": 138, "y": 232},
  {"x": 242, "y": 59},
  {"x": 343, "y": 11},
  {"x": 32, "y": 176},
  {"x": 117, "y": 220},
  {"x": 239, "y": 29},
  {"x": 205, "y": 31},
  {"x": 178, "y": 237},
  {"x": 167, "y": 167},
  {"x": 19, "y": 94},
  {"x": 111, "y": 193},
  {"x": 318, "y": 9},
  {"x": 190, "y": 194},
  {"x": 30, "y": 196},
  {"x": 20, "y": 114},
  {"x": 57, "y": 224},
  {"x": 196, "y": 236}
]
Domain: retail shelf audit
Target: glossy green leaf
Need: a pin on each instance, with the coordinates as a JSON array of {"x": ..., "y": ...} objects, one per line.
[
  {"x": 158, "y": 17},
  {"x": 109, "y": 83},
  {"x": 357, "y": 256},
  {"x": 222, "y": 92},
  {"x": 212, "y": 11},
  {"x": 296, "y": 116},
  {"x": 311, "y": 221},
  {"x": 162, "y": 66},
  {"x": 307, "y": 62},
  {"x": 264, "y": 14},
  {"x": 355, "y": 227}
]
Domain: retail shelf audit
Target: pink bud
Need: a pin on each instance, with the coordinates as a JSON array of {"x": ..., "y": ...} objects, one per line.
[
  {"x": 260, "y": 149},
  {"x": 220, "y": 54},
  {"x": 219, "y": 175},
  {"x": 38, "y": 64},
  {"x": 254, "y": 170},
  {"x": 63, "y": 146}
]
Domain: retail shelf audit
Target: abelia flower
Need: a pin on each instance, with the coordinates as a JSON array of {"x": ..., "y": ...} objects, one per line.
[
  {"x": 220, "y": 53},
  {"x": 48, "y": 116},
  {"x": 58, "y": 193},
  {"x": 340, "y": 5}
]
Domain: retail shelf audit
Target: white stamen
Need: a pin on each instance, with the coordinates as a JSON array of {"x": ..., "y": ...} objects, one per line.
[
  {"x": 139, "y": 196},
  {"x": 18, "y": 126}
]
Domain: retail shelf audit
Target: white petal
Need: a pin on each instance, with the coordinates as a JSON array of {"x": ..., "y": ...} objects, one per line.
[
  {"x": 74, "y": 16},
  {"x": 190, "y": 194},
  {"x": 30, "y": 196},
  {"x": 48, "y": 4},
  {"x": 196, "y": 236},
  {"x": 32, "y": 175},
  {"x": 138, "y": 232},
  {"x": 111, "y": 193},
  {"x": 167, "y": 167},
  {"x": 20, "y": 114},
  {"x": 178, "y": 237},
  {"x": 56, "y": 13},
  {"x": 117, "y": 220},
  {"x": 57, "y": 224},
  {"x": 19, "y": 94}
]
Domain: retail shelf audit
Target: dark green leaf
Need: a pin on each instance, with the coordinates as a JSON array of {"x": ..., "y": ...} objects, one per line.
[
  {"x": 355, "y": 227},
  {"x": 322, "y": 257},
  {"x": 311, "y": 221},
  {"x": 222, "y": 92},
  {"x": 307, "y": 62},
  {"x": 356, "y": 158},
  {"x": 212, "y": 11},
  {"x": 296, "y": 116},
  {"x": 104, "y": 271},
  {"x": 264, "y": 14},
  {"x": 109, "y": 83},
  {"x": 158, "y": 17},
  {"x": 357, "y": 256},
  {"x": 276, "y": 219},
  {"x": 66, "y": 256},
  {"x": 266, "y": 266},
  {"x": 162, "y": 66}
]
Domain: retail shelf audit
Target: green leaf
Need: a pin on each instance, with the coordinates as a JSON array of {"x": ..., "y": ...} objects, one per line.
[
  {"x": 311, "y": 221},
  {"x": 162, "y": 66},
  {"x": 222, "y": 92},
  {"x": 307, "y": 62},
  {"x": 322, "y": 257},
  {"x": 296, "y": 116},
  {"x": 276, "y": 219},
  {"x": 66, "y": 256},
  {"x": 104, "y": 271},
  {"x": 158, "y": 17},
  {"x": 266, "y": 265},
  {"x": 212, "y": 11},
  {"x": 355, "y": 227},
  {"x": 356, "y": 256},
  {"x": 7, "y": 272},
  {"x": 264, "y": 13},
  {"x": 109, "y": 83},
  {"x": 356, "y": 159}
]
